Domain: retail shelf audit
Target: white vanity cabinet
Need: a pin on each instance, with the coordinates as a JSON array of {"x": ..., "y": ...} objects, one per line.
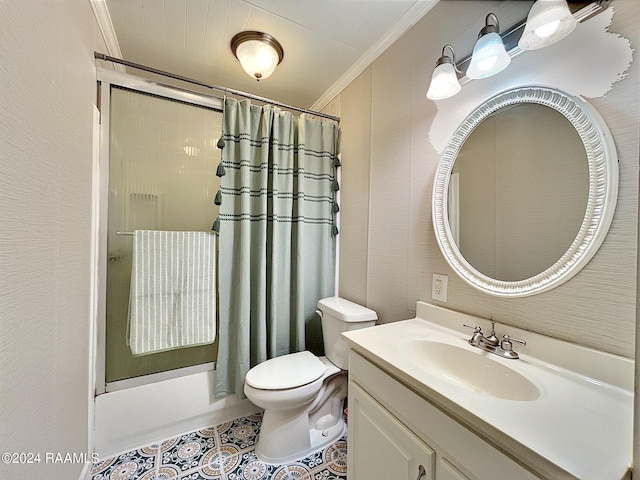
[
  {"x": 419, "y": 394},
  {"x": 393, "y": 432},
  {"x": 384, "y": 447}
]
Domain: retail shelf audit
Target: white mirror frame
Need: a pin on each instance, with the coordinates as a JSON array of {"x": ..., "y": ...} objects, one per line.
[{"x": 603, "y": 191}]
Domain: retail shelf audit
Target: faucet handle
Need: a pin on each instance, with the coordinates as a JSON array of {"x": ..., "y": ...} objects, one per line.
[
  {"x": 506, "y": 347},
  {"x": 506, "y": 344},
  {"x": 476, "y": 329},
  {"x": 477, "y": 336},
  {"x": 521, "y": 342}
]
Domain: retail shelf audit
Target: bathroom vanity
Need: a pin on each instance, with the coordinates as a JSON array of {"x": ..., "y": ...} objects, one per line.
[{"x": 424, "y": 404}]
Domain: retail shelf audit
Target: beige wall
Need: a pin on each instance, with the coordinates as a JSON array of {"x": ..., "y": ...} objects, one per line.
[
  {"x": 595, "y": 308},
  {"x": 355, "y": 125},
  {"x": 48, "y": 88}
]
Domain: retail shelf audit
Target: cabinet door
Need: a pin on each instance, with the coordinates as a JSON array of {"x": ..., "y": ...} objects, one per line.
[
  {"x": 380, "y": 447},
  {"x": 446, "y": 471}
]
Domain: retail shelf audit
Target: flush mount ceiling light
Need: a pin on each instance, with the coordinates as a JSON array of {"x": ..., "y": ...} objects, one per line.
[
  {"x": 489, "y": 55},
  {"x": 444, "y": 81},
  {"x": 548, "y": 21},
  {"x": 259, "y": 53}
]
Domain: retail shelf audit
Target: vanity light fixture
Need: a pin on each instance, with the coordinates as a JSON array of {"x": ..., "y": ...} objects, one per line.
[
  {"x": 548, "y": 21},
  {"x": 444, "y": 81},
  {"x": 489, "y": 55},
  {"x": 259, "y": 53}
]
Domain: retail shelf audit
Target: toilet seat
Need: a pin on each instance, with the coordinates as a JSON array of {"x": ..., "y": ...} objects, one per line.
[{"x": 285, "y": 372}]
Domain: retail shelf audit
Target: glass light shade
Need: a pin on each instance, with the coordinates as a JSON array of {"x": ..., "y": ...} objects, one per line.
[
  {"x": 444, "y": 82},
  {"x": 257, "y": 58},
  {"x": 548, "y": 21},
  {"x": 489, "y": 57}
]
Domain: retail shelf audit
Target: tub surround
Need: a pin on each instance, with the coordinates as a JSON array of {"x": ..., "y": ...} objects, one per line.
[
  {"x": 578, "y": 425},
  {"x": 127, "y": 419}
]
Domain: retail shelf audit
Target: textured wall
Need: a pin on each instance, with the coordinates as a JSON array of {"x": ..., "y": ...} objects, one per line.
[
  {"x": 355, "y": 125},
  {"x": 47, "y": 92},
  {"x": 596, "y": 308}
]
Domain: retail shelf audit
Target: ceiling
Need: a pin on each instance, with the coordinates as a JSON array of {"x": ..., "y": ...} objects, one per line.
[{"x": 326, "y": 42}]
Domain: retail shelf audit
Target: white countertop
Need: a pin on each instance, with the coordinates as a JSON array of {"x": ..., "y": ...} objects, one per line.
[{"x": 581, "y": 423}]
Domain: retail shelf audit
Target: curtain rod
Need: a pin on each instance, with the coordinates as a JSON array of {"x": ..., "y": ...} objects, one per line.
[{"x": 107, "y": 58}]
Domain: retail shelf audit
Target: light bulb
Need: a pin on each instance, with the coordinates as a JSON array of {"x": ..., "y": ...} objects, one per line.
[
  {"x": 547, "y": 30},
  {"x": 487, "y": 64}
]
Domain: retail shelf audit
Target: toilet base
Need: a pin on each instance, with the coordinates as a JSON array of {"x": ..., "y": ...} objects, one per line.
[
  {"x": 317, "y": 440},
  {"x": 302, "y": 420}
]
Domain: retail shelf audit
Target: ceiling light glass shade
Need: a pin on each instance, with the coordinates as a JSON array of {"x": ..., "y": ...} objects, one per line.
[
  {"x": 259, "y": 53},
  {"x": 258, "y": 59},
  {"x": 548, "y": 21},
  {"x": 489, "y": 57},
  {"x": 444, "y": 82}
]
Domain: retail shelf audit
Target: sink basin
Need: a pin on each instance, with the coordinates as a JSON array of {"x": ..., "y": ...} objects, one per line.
[{"x": 472, "y": 370}]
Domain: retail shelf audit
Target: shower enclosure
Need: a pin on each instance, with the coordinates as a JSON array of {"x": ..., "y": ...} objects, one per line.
[{"x": 157, "y": 166}]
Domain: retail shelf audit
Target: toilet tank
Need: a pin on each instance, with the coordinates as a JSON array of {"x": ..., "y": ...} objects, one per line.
[{"x": 340, "y": 315}]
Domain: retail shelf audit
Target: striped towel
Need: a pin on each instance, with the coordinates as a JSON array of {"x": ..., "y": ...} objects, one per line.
[{"x": 172, "y": 300}]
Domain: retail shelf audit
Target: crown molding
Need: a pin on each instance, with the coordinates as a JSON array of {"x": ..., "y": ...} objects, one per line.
[
  {"x": 101, "y": 11},
  {"x": 418, "y": 10}
]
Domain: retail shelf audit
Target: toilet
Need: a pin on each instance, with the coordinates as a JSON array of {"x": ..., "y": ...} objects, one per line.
[{"x": 303, "y": 395}]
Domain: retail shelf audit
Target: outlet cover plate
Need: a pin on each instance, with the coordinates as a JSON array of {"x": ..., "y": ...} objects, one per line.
[{"x": 439, "y": 287}]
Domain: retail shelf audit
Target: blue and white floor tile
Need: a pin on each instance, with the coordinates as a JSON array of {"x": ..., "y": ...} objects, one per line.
[{"x": 223, "y": 452}]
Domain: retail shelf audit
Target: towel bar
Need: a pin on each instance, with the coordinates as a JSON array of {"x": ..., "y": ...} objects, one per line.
[{"x": 130, "y": 234}]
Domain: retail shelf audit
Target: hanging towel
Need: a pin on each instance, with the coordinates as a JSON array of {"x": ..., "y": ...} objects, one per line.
[{"x": 172, "y": 300}]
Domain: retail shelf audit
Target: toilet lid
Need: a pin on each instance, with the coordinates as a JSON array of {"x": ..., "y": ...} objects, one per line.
[{"x": 288, "y": 371}]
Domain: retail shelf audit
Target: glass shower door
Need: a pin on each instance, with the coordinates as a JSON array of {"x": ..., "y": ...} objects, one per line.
[{"x": 162, "y": 164}]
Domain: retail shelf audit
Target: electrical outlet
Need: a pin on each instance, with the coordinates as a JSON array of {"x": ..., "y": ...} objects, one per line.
[{"x": 439, "y": 287}]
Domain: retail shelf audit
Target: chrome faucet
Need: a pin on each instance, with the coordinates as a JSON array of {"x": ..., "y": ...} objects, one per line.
[
  {"x": 491, "y": 344},
  {"x": 479, "y": 340},
  {"x": 492, "y": 339}
]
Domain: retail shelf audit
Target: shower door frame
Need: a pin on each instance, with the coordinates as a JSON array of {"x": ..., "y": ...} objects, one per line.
[{"x": 107, "y": 78}]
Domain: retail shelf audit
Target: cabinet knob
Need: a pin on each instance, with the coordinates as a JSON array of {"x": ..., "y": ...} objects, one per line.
[{"x": 421, "y": 472}]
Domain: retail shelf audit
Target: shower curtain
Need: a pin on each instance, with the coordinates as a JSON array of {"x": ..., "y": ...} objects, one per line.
[{"x": 277, "y": 233}]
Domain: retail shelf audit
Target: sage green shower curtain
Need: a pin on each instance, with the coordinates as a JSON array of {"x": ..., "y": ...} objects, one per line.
[{"x": 277, "y": 233}]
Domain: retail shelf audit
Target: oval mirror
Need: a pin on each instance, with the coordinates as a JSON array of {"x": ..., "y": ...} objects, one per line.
[{"x": 525, "y": 191}]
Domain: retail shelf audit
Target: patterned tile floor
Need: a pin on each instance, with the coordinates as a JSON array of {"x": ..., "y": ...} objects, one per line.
[{"x": 223, "y": 452}]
